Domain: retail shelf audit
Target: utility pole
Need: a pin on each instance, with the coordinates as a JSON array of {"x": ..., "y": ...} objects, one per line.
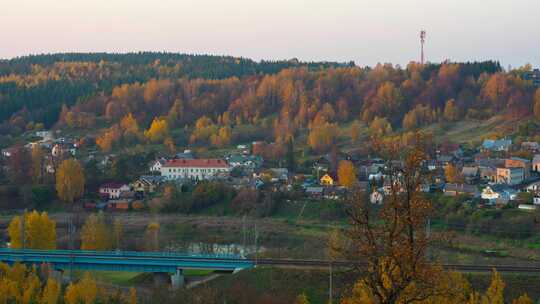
[
  {"x": 22, "y": 228},
  {"x": 244, "y": 235},
  {"x": 71, "y": 229},
  {"x": 422, "y": 42},
  {"x": 330, "y": 286},
  {"x": 256, "y": 245}
]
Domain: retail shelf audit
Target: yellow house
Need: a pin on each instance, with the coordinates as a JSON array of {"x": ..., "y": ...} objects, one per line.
[{"x": 327, "y": 180}]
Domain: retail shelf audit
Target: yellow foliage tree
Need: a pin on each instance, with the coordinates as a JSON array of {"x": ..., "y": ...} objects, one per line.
[
  {"x": 223, "y": 138},
  {"x": 70, "y": 180},
  {"x": 39, "y": 231},
  {"x": 108, "y": 138},
  {"x": 495, "y": 292},
  {"x": 322, "y": 137},
  {"x": 346, "y": 173},
  {"x": 51, "y": 292},
  {"x": 85, "y": 291},
  {"x": 129, "y": 125},
  {"x": 94, "y": 234},
  {"x": 451, "y": 173},
  {"x": 158, "y": 130},
  {"x": 355, "y": 131},
  {"x": 302, "y": 299},
  {"x": 380, "y": 127},
  {"x": 132, "y": 296},
  {"x": 37, "y": 163},
  {"x": 524, "y": 299}
]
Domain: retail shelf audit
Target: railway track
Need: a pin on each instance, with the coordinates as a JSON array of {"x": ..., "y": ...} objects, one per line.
[{"x": 345, "y": 264}]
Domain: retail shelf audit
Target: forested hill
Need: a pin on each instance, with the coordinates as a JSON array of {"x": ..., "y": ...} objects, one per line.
[
  {"x": 220, "y": 100},
  {"x": 40, "y": 84}
]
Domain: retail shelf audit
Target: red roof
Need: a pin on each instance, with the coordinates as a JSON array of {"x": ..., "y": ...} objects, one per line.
[{"x": 197, "y": 163}]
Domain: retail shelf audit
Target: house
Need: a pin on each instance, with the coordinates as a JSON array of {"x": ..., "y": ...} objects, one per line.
[
  {"x": 45, "y": 135},
  {"x": 471, "y": 174},
  {"x": 533, "y": 187},
  {"x": 509, "y": 176},
  {"x": 245, "y": 161},
  {"x": 315, "y": 192},
  {"x": 63, "y": 149},
  {"x": 327, "y": 180},
  {"x": 532, "y": 76},
  {"x": 376, "y": 197},
  {"x": 489, "y": 195},
  {"x": 498, "y": 194},
  {"x": 113, "y": 190},
  {"x": 530, "y": 146},
  {"x": 516, "y": 162},
  {"x": 155, "y": 166},
  {"x": 187, "y": 154},
  {"x": 498, "y": 145},
  {"x": 194, "y": 169},
  {"x": 147, "y": 184},
  {"x": 536, "y": 163},
  {"x": 460, "y": 189},
  {"x": 281, "y": 174}
]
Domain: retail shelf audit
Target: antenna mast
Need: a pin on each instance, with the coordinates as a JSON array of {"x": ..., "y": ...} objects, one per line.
[{"x": 422, "y": 41}]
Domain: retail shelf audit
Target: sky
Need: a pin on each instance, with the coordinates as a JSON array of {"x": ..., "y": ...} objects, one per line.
[{"x": 364, "y": 31}]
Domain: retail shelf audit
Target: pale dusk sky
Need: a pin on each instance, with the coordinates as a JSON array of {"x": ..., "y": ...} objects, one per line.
[{"x": 366, "y": 31}]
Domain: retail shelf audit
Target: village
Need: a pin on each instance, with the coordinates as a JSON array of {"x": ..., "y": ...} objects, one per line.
[{"x": 490, "y": 174}]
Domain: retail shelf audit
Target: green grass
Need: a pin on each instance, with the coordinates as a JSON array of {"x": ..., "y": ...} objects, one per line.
[{"x": 120, "y": 278}]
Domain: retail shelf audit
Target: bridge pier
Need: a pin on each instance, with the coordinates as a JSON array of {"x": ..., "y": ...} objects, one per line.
[
  {"x": 161, "y": 279},
  {"x": 177, "y": 279}
]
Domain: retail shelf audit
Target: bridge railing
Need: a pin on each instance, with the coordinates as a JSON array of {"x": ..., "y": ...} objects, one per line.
[{"x": 120, "y": 253}]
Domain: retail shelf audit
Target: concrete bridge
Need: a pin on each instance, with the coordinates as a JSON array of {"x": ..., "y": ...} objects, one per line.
[{"x": 161, "y": 264}]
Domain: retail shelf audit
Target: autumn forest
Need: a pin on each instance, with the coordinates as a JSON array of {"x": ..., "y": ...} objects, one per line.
[{"x": 221, "y": 100}]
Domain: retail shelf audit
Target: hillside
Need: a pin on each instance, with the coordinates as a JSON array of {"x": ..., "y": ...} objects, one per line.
[{"x": 218, "y": 101}]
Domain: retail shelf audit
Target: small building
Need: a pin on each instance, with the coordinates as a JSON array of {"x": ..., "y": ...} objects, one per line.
[
  {"x": 155, "y": 166},
  {"x": 245, "y": 161},
  {"x": 530, "y": 146},
  {"x": 489, "y": 195},
  {"x": 517, "y": 162},
  {"x": 187, "y": 154},
  {"x": 147, "y": 184},
  {"x": 533, "y": 76},
  {"x": 498, "y": 145},
  {"x": 509, "y": 176},
  {"x": 376, "y": 197},
  {"x": 498, "y": 194},
  {"x": 113, "y": 190},
  {"x": 471, "y": 174},
  {"x": 533, "y": 187},
  {"x": 315, "y": 192},
  {"x": 63, "y": 149},
  {"x": 451, "y": 189},
  {"x": 327, "y": 180}
]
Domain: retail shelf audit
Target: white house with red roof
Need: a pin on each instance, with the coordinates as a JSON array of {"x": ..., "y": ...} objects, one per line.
[
  {"x": 196, "y": 169},
  {"x": 113, "y": 190}
]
